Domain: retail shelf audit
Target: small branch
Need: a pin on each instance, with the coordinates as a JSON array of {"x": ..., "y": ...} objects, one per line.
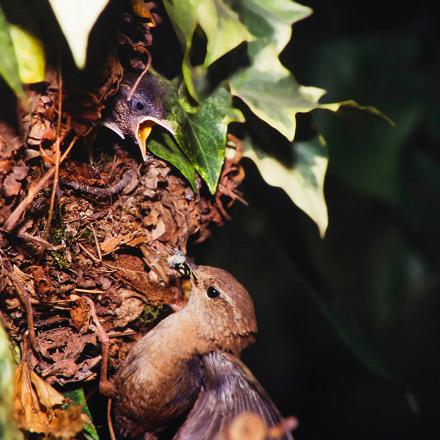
[
  {"x": 135, "y": 85},
  {"x": 25, "y": 300},
  {"x": 34, "y": 239},
  {"x": 109, "y": 420},
  {"x": 99, "y": 192},
  {"x": 13, "y": 219},
  {"x": 106, "y": 387},
  {"x": 57, "y": 156},
  {"x": 91, "y": 291},
  {"x": 121, "y": 334},
  {"x": 98, "y": 249},
  {"x": 96, "y": 260}
]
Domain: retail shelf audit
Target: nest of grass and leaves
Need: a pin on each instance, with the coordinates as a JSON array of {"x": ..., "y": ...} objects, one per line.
[{"x": 88, "y": 229}]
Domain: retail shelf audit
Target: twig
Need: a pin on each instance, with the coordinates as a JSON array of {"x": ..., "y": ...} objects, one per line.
[
  {"x": 135, "y": 85},
  {"x": 98, "y": 249},
  {"x": 227, "y": 192},
  {"x": 91, "y": 291},
  {"x": 37, "y": 240},
  {"x": 99, "y": 192},
  {"x": 40, "y": 241},
  {"x": 106, "y": 387},
  {"x": 57, "y": 156},
  {"x": 121, "y": 334},
  {"x": 25, "y": 300},
  {"x": 109, "y": 420},
  {"x": 13, "y": 219},
  {"x": 96, "y": 260}
]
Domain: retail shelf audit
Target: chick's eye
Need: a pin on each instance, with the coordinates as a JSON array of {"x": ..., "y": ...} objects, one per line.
[
  {"x": 137, "y": 105},
  {"x": 212, "y": 292}
]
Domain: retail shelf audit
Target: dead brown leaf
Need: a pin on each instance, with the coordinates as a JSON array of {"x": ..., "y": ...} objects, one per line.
[
  {"x": 62, "y": 343},
  {"x": 130, "y": 309},
  {"x": 131, "y": 270},
  {"x": 5, "y": 166},
  {"x": 12, "y": 183},
  {"x": 43, "y": 284},
  {"x": 80, "y": 315},
  {"x": 112, "y": 243},
  {"x": 39, "y": 408}
]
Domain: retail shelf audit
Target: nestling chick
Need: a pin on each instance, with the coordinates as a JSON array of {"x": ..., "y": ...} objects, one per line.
[
  {"x": 133, "y": 115},
  {"x": 190, "y": 362}
]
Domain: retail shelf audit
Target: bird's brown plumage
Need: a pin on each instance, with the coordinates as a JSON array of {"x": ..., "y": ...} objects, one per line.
[{"x": 189, "y": 361}]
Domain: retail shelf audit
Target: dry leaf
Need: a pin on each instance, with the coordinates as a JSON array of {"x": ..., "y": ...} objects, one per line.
[
  {"x": 80, "y": 315},
  {"x": 130, "y": 309},
  {"x": 12, "y": 183},
  {"x": 39, "y": 408},
  {"x": 25, "y": 281},
  {"x": 130, "y": 269},
  {"x": 113, "y": 243}
]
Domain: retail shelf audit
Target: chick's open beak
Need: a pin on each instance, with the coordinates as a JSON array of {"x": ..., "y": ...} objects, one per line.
[{"x": 143, "y": 131}]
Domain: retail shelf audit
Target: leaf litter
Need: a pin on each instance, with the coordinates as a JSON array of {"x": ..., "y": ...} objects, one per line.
[{"x": 88, "y": 285}]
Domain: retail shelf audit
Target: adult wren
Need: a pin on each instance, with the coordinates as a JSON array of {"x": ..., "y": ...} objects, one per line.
[
  {"x": 189, "y": 364},
  {"x": 137, "y": 108}
]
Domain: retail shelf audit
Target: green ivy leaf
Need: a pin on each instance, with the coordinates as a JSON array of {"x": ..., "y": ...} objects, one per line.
[
  {"x": 169, "y": 151},
  {"x": 219, "y": 21},
  {"x": 29, "y": 51},
  {"x": 201, "y": 134},
  {"x": 270, "y": 22},
  {"x": 184, "y": 17},
  {"x": 303, "y": 180},
  {"x": 76, "y": 19},
  {"x": 30, "y": 55},
  {"x": 79, "y": 397},
  {"x": 267, "y": 87},
  {"x": 272, "y": 93},
  {"x": 222, "y": 27},
  {"x": 8, "y": 60}
]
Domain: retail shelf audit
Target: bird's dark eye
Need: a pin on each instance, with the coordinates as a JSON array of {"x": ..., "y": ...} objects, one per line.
[
  {"x": 212, "y": 292},
  {"x": 137, "y": 105}
]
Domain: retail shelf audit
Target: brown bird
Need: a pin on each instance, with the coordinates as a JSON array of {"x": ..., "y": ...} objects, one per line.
[
  {"x": 189, "y": 363},
  {"x": 135, "y": 112}
]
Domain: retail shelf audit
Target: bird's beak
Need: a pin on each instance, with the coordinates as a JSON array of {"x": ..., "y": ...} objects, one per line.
[
  {"x": 113, "y": 126},
  {"x": 143, "y": 132},
  {"x": 144, "y": 127},
  {"x": 185, "y": 290}
]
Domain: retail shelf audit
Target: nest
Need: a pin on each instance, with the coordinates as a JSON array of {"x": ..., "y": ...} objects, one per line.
[{"x": 86, "y": 251}]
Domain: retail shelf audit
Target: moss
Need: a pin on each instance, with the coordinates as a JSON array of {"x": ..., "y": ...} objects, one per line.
[
  {"x": 61, "y": 260},
  {"x": 57, "y": 234},
  {"x": 150, "y": 314},
  {"x": 86, "y": 234}
]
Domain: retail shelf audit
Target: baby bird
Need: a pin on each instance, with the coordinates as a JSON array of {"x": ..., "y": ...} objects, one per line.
[
  {"x": 189, "y": 363},
  {"x": 135, "y": 112}
]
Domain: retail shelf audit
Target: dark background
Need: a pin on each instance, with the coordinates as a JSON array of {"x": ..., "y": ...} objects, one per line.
[{"x": 348, "y": 326}]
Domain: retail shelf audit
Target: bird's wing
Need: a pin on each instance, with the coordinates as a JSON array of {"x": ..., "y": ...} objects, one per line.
[{"x": 229, "y": 390}]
